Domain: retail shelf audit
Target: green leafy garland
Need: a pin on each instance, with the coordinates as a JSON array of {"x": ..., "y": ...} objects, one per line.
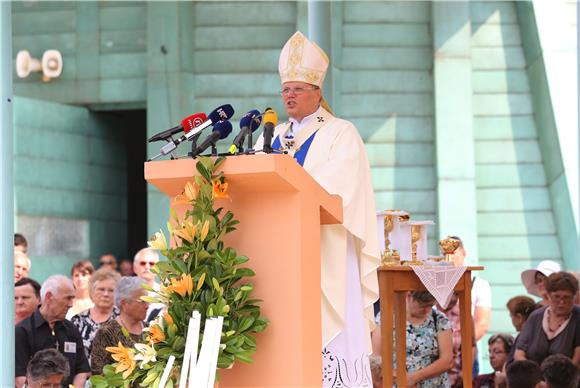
[{"x": 199, "y": 274}]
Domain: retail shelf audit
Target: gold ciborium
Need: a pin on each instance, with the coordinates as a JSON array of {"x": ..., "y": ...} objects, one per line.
[
  {"x": 390, "y": 257},
  {"x": 415, "y": 237},
  {"x": 449, "y": 246}
]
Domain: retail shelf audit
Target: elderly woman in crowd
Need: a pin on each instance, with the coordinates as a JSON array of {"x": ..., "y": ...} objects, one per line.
[
  {"x": 535, "y": 279},
  {"x": 102, "y": 286},
  {"x": 48, "y": 368},
  {"x": 553, "y": 329},
  {"x": 80, "y": 274},
  {"x": 127, "y": 328},
  {"x": 26, "y": 298},
  {"x": 429, "y": 344},
  {"x": 499, "y": 348}
]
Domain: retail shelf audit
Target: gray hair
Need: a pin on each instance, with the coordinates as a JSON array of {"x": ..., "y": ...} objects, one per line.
[
  {"x": 46, "y": 363},
  {"x": 18, "y": 253},
  {"x": 146, "y": 252},
  {"x": 126, "y": 287},
  {"x": 52, "y": 285}
]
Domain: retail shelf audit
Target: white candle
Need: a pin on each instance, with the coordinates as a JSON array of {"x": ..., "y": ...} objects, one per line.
[{"x": 166, "y": 372}]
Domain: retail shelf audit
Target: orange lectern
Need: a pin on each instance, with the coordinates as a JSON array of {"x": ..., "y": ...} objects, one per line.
[{"x": 280, "y": 208}]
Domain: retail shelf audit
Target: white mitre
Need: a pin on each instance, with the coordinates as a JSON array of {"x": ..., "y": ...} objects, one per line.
[{"x": 302, "y": 61}]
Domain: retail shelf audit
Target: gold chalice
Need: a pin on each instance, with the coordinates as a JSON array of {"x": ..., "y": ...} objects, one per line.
[
  {"x": 415, "y": 237},
  {"x": 389, "y": 257},
  {"x": 449, "y": 246}
]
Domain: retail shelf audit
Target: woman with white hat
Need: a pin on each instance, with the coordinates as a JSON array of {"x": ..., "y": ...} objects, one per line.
[{"x": 535, "y": 279}]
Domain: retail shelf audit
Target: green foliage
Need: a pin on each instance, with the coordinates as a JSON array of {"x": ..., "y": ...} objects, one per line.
[{"x": 199, "y": 274}]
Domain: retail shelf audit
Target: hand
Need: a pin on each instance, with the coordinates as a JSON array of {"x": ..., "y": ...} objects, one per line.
[{"x": 412, "y": 379}]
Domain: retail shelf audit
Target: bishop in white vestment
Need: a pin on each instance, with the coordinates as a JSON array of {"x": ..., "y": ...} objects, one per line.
[{"x": 332, "y": 151}]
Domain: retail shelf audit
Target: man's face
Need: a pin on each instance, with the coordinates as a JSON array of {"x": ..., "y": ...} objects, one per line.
[
  {"x": 25, "y": 300},
  {"x": 108, "y": 261},
  {"x": 142, "y": 266},
  {"x": 59, "y": 303},
  {"x": 301, "y": 100},
  {"x": 53, "y": 381},
  {"x": 126, "y": 268},
  {"x": 21, "y": 267}
]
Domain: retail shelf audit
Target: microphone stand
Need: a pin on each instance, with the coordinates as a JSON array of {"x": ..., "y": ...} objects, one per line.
[
  {"x": 214, "y": 151},
  {"x": 250, "y": 150}
]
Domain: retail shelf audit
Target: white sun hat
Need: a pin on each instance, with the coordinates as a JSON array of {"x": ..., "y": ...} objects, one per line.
[{"x": 546, "y": 267}]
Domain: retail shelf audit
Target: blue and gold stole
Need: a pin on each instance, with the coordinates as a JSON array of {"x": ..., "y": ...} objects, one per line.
[{"x": 298, "y": 147}]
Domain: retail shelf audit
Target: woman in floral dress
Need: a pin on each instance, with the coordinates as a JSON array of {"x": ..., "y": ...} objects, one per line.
[{"x": 429, "y": 343}]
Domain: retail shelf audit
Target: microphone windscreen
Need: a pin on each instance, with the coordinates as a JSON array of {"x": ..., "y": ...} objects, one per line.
[
  {"x": 224, "y": 112},
  {"x": 195, "y": 120},
  {"x": 270, "y": 116},
  {"x": 224, "y": 128},
  {"x": 247, "y": 119}
]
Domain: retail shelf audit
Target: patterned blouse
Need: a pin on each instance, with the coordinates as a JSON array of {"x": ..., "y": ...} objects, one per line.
[
  {"x": 423, "y": 348},
  {"x": 88, "y": 328},
  {"x": 109, "y": 335}
]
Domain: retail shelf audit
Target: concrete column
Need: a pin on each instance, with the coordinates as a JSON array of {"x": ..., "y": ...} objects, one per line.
[
  {"x": 170, "y": 92},
  {"x": 455, "y": 160},
  {"x": 319, "y": 31},
  {"x": 6, "y": 200}
]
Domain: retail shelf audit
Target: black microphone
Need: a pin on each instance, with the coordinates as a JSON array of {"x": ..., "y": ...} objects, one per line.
[
  {"x": 249, "y": 123},
  {"x": 221, "y": 130},
  {"x": 270, "y": 121},
  {"x": 223, "y": 112},
  {"x": 186, "y": 125}
]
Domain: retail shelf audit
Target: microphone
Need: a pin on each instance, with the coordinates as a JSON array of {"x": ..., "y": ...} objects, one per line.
[
  {"x": 221, "y": 113},
  {"x": 221, "y": 130},
  {"x": 249, "y": 123},
  {"x": 185, "y": 125},
  {"x": 270, "y": 121}
]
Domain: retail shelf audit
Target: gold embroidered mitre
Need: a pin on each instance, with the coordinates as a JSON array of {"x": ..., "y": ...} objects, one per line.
[{"x": 303, "y": 61}]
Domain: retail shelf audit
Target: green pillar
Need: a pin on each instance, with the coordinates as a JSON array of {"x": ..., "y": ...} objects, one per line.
[
  {"x": 170, "y": 94},
  {"x": 455, "y": 160},
  {"x": 319, "y": 31},
  {"x": 6, "y": 199}
]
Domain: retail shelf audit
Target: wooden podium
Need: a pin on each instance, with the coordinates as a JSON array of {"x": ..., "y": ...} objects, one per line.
[{"x": 280, "y": 208}]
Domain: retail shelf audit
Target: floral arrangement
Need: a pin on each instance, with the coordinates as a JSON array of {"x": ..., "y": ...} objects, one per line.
[{"x": 199, "y": 274}]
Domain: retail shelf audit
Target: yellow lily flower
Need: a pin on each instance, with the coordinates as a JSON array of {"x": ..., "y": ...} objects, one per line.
[
  {"x": 155, "y": 334},
  {"x": 146, "y": 354},
  {"x": 125, "y": 358},
  {"x": 189, "y": 194},
  {"x": 204, "y": 230},
  {"x": 182, "y": 286},
  {"x": 158, "y": 241},
  {"x": 187, "y": 232},
  {"x": 219, "y": 189}
]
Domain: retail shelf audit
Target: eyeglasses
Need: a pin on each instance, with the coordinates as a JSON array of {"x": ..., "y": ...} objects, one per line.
[
  {"x": 107, "y": 262},
  {"x": 296, "y": 91},
  {"x": 144, "y": 263},
  {"x": 561, "y": 298},
  {"x": 496, "y": 352}
]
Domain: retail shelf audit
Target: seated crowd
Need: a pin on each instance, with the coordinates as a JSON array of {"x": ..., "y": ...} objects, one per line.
[{"x": 64, "y": 326}]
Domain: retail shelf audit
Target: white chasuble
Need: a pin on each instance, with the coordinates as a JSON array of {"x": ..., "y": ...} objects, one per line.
[{"x": 337, "y": 160}]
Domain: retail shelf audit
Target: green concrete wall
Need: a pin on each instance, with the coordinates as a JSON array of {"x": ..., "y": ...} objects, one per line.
[
  {"x": 103, "y": 45},
  {"x": 69, "y": 184}
]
